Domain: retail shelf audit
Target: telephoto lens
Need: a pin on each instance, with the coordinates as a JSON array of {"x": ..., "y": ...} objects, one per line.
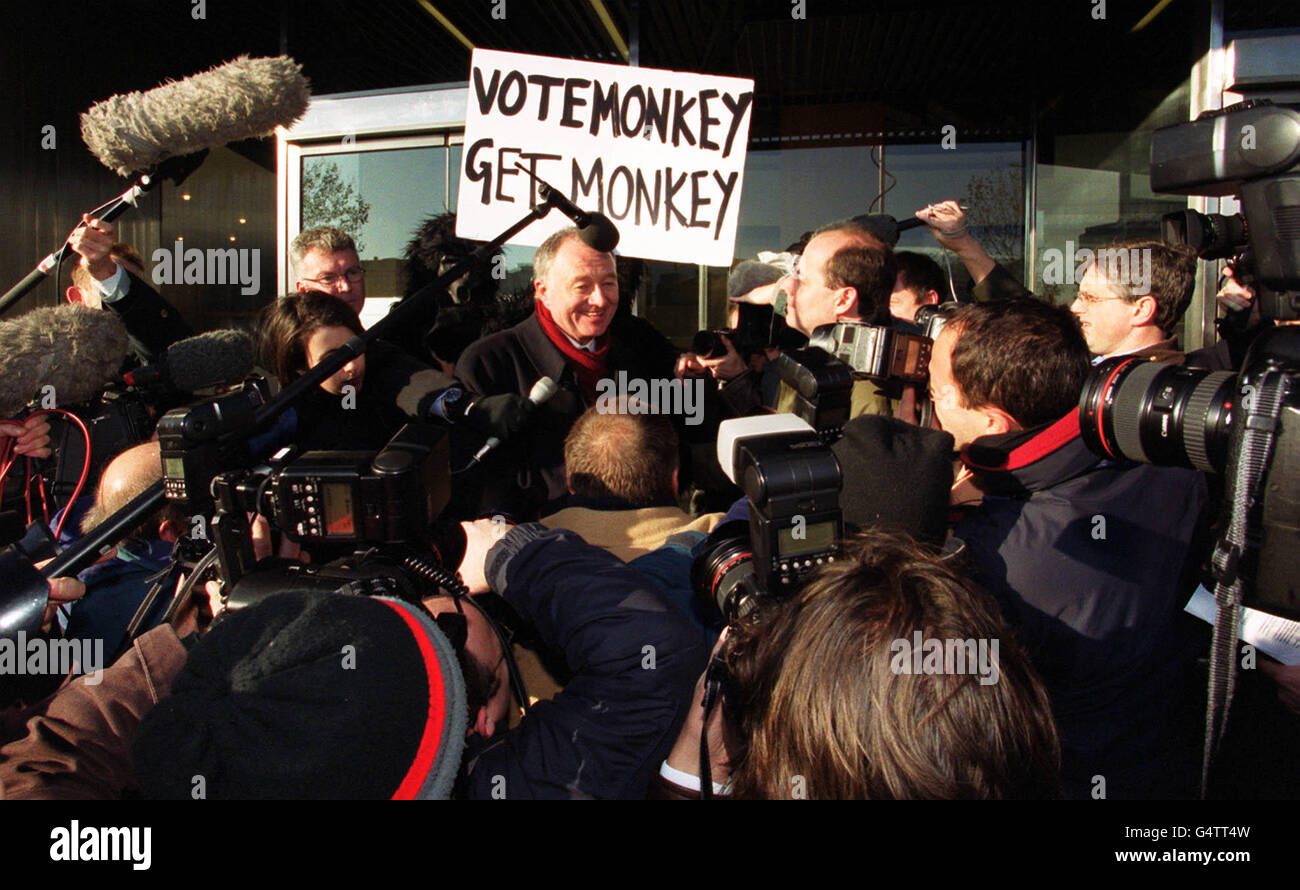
[
  {"x": 724, "y": 572},
  {"x": 1158, "y": 413}
]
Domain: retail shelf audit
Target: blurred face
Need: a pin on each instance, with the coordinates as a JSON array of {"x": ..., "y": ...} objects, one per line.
[
  {"x": 810, "y": 302},
  {"x": 903, "y": 302},
  {"x": 1107, "y": 318},
  {"x": 580, "y": 290},
  {"x": 482, "y": 644},
  {"x": 963, "y": 424},
  {"x": 320, "y": 343},
  {"x": 338, "y": 273}
]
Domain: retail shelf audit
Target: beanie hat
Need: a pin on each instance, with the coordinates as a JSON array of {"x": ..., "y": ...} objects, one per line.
[
  {"x": 750, "y": 274},
  {"x": 310, "y": 695}
]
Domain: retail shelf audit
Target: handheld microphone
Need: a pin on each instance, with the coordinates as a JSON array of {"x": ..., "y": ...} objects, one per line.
[
  {"x": 595, "y": 229},
  {"x": 540, "y": 393},
  {"x": 242, "y": 99},
  {"x": 73, "y": 348},
  {"x": 886, "y": 227},
  {"x": 209, "y": 359}
]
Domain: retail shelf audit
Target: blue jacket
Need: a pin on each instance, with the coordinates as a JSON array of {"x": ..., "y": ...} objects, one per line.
[
  {"x": 1087, "y": 560},
  {"x": 636, "y": 658}
]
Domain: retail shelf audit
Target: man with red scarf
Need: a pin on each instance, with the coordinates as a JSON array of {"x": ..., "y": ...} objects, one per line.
[{"x": 573, "y": 338}]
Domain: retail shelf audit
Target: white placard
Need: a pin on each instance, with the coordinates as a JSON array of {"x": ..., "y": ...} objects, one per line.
[{"x": 661, "y": 153}]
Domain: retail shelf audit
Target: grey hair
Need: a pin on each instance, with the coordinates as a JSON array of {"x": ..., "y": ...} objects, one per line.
[
  {"x": 550, "y": 247},
  {"x": 326, "y": 239}
]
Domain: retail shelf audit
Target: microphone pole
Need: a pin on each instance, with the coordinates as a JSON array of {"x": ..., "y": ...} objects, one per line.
[
  {"x": 83, "y": 554},
  {"x": 175, "y": 169}
]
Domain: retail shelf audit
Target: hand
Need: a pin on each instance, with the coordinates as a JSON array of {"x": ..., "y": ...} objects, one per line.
[
  {"x": 947, "y": 222},
  {"x": 1232, "y": 293},
  {"x": 93, "y": 240},
  {"x": 33, "y": 435},
  {"x": 685, "y": 755},
  {"x": 480, "y": 536},
  {"x": 689, "y": 365},
  {"x": 729, "y": 366},
  {"x": 1287, "y": 678},
  {"x": 62, "y": 590},
  {"x": 501, "y": 416}
]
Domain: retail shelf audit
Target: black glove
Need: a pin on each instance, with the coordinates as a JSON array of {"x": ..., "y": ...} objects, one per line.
[{"x": 501, "y": 416}]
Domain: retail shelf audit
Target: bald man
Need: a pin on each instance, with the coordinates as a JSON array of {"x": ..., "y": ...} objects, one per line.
[{"x": 116, "y": 586}]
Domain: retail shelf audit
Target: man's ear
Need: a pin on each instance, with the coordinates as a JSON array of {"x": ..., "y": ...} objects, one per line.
[
  {"x": 1144, "y": 311},
  {"x": 170, "y": 530},
  {"x": 74, "y": 295},
  {"x": 483, "y": 726},
  {"x": 676, "y": 491},
  {"x": 997, "y": 421},
  {"x": 846, "y": 302}
]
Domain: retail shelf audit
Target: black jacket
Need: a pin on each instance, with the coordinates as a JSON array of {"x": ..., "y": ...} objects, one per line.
[
  {"x": 636, "y": 658},
  {"x": 152, "y": 323},
  {"x": 521, "y": 476},
  {"x": 1088, "y": 560}
]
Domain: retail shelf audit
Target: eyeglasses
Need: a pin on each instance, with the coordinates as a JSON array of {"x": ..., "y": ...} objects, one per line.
[
  {"x": 1090, "y": 300},
  {"x": 330, "y": 279}
]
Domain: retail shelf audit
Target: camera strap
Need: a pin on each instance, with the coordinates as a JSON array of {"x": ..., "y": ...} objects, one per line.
[{"x": 1249, "y": 461}]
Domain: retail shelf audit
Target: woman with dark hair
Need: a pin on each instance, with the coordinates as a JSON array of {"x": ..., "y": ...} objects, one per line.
[
  {"x": 294, "y": 334},
  {"x": 888, "y": 677}
]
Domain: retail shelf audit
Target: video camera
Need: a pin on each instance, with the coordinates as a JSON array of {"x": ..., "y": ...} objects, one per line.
[
  {"x": 792, "y": 481},
  {"x": 1246, "y": 425}
]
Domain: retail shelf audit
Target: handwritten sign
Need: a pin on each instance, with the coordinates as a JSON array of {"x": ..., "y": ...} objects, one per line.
[{"x": 661, "y": 153}]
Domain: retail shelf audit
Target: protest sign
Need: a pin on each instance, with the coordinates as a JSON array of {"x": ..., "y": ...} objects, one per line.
[{"x": 661, "y": 153}]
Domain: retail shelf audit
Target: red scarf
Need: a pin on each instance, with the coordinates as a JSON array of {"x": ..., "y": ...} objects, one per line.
[{"x": 588, "y": 367}]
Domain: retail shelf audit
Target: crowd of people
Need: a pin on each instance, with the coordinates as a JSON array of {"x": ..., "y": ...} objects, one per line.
[{"x": 1005, "y": 619}]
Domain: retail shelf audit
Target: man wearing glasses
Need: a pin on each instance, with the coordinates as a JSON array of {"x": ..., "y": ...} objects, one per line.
[
  {"x": 1131, "y": 298},
  {"x": 325, "y": 259}
]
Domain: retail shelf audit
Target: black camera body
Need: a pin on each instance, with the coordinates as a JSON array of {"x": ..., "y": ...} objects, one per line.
[
  {"x": 932, "y": 317},
  {"x": 115, "y": 419},
  {"x": 1251, "y": 150},
  {"x": 200, "y": 442},
  {"x": 792, "y": 481},
  {"x": 757, "y": 328},
  {"x": 348, "y": 497},
  {"x": 793, "y": 484}
]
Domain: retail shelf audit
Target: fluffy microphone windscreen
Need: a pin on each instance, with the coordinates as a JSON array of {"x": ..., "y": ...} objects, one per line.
[
  {"x": 73, "y": 348},
  {"x": 243, "y": 99},
  {"x": 209, "y": 359}
]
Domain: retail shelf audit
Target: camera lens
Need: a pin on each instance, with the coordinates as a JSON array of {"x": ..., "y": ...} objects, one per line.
[
  {"x": 723, "y": 573},
  {"x": 1158, "y": 413},
  {"x": 708, "y": 344}
]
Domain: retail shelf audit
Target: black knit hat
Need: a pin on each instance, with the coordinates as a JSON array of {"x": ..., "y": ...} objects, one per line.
[{"x": 324, "y": 696}]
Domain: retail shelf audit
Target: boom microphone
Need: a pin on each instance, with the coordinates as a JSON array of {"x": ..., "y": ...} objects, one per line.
[
  {"x": 75, "y": 349},
  {"x": 595, "y": 229},
  {"x": 242, "y": 99},
  {"x": 541, "y": 392},
  {"x": 209, "y": 359}
]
